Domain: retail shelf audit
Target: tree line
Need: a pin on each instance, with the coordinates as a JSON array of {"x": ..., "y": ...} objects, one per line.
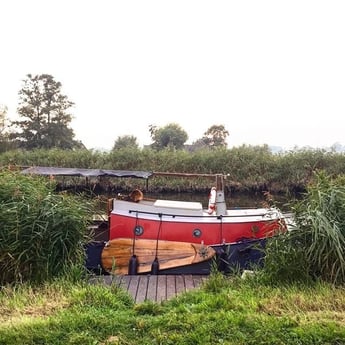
[{"x": 45, "y": 118}]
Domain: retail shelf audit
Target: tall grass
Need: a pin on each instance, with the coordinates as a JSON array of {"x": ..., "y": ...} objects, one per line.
[
  {"x": 41, "y": 233},
  {"x": 315, "y": 247}
]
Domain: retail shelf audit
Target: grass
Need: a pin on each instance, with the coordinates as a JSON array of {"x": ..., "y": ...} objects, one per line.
[{"x": 223, "y": 311}]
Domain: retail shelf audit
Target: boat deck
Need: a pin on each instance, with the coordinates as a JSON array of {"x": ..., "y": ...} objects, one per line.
[{"x": 155, "y": 288}]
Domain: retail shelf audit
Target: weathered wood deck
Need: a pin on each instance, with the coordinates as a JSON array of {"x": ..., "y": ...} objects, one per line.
[{"x": 156, "y": 288}]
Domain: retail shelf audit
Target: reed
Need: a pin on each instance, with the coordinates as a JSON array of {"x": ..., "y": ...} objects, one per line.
[
  {"x": 250, "y": 168},
  {"x": 315, "y": 247},
  {"x": 42, "y": 233}
]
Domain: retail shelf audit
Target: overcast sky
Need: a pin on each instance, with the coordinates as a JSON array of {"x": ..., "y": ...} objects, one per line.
[{"x": 272, "y": 72}]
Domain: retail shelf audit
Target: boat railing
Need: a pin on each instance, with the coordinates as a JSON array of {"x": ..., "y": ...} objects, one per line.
[{"x": 272, "y": 214}]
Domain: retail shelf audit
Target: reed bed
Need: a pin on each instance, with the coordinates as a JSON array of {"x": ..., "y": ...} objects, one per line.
[
  {"x": 42, "y": 233},
  {"x": 314, "y": 249},
  {"x": 249, "y": 168}
]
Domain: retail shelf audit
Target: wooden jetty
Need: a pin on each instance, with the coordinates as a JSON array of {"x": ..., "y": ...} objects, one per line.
[{"x": 155, "y": 288}]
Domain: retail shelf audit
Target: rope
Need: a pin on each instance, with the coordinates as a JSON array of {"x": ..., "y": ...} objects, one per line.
[
  {"x": 221, "y": 229},
  {"x": 135, "y": 229},
  {"x": 158, "y": 233}
]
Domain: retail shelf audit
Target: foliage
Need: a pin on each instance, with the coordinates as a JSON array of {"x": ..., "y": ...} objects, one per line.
[
  {"x": 253, "y": 169},
  {"x": 170, "y": 136},
  {"x": 216, "y": 136},
  {"x": 42, "y": 233},
  {"x": 125, "y": 141},
  {"x": 3, "y": 112},
  {"x": 44, "y": 112},
  {"x": 296, "y": 168},
  {"x": 5, "y": 144},
  {"x": 315, "y": 247},
  {"x": 285, "y": 260}
]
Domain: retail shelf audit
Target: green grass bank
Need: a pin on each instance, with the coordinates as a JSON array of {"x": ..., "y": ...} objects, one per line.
[{"x": 222, "y": 311}]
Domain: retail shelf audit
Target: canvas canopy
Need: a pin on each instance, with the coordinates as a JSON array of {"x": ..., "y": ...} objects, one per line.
[{"x": 52, "y": 171}]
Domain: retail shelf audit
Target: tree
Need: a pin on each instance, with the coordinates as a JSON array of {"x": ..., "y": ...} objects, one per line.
[
  {"x": 3, "y": 134},
  {"x": 197, "y": 145},
  {"x": 3, "y": 113},
  {"x": 125, "y": 141},
  {"x": 216, "y": 136},
  {"x": 170, "y": 136},
  {"x": 44, "y": 110}
]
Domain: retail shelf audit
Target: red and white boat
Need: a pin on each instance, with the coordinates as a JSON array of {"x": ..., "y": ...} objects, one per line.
[
  {"x": 153, "y": 236},
  {"x": 231, "y": 238}
]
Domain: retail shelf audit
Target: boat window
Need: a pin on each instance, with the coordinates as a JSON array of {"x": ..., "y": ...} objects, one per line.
[
  {"x": 138, "y": 230},
  {"x": 197, "y": 233}
]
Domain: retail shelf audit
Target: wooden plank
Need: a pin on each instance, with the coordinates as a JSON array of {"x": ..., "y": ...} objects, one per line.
[
  {"x": 104, "y": 279},
  {"x": 142, "y": 288},
  {"x": 171, "y": 288},
  {"x": 160, "y": 173},
  {"x": 133, "y": 285},
  {"x": 189, "y": 282},
  {"x": 152, "y": 288},
  {"x": 179, "y": 283},
  {"x": 161, "y": 288},
  {"x": 123, "y": 282},
  {"x": 198, "y": 280},
  {"x": 156, "y": 288}
]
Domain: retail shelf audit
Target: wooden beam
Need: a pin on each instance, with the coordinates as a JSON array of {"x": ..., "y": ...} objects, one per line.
[{"x": 158, "y": 173}]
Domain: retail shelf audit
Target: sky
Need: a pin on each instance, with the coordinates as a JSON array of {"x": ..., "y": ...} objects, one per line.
[{"x": 272, "y": 72}]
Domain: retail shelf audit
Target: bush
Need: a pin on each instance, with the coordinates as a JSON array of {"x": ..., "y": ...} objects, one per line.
[
  {"x": 42, "y": 233},
  {"x": 315, "y": 247}
]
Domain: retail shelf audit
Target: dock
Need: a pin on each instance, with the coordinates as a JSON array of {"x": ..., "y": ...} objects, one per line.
[{"x": 155, "y": 288}]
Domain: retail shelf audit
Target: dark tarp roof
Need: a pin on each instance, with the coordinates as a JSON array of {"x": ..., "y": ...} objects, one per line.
[{"x": 86, "y": 172}]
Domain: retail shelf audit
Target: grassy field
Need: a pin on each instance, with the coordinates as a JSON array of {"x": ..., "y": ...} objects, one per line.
[{"x": 223, "y": 311}]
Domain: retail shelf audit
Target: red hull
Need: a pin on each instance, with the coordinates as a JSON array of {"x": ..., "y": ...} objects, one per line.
[
  {"x": 235, "y": 234},
  {"x": 211, "y": 230}
]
